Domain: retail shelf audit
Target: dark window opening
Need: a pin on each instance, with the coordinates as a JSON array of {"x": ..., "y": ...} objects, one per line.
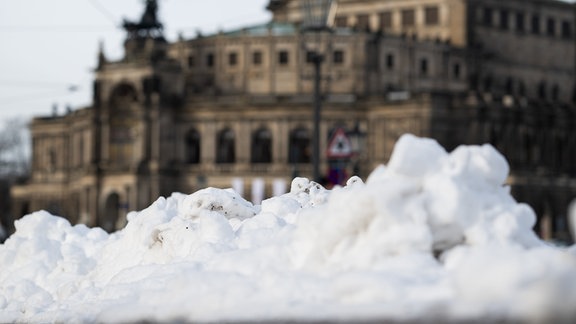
[
  {"x": 566, "y": 30},
  {"x": 542, "y": 90},
  {"x": 504, "y": 20},
  {"x": 487, "y": 83},
  {"x": 232, "y": 58},
  {"x": 535, "y": 24},
  {"x": 262, "y": 146},
  {"x": 111, "y": 213},
  {"x": 521, "y": 89},
  {"x": 341, "y": 21},
  {"x": 191, "y": 61},
  {"x": 210, "y": 60},
  {"x": 408, "y": 18},
  {"x": 283, "y": 57},
  {"x": 386, "y": 20},
  {"x": 363, "y": 22},
  {"x": 551, "y": 27},
  {"x": 431, "y": 16},
  {"x": 509, "y": 85},
  {"x": 299, "y": 146},
  {"x": 310, "y": 56},
  {"x": 257, "y": 58},
  {"x": 390, "y": 61},
  {"x": 555, "y": 92},
  {"x": 487, "y": 15},
  {"x": 225, "y": 147},
  {"x": 424, "y": 67},
  {"x": 192, "y": 147},
  {"x": 456, "y": 73},
  {"x": 520, "y": 22},
  {"x": 338, "y": 57}
]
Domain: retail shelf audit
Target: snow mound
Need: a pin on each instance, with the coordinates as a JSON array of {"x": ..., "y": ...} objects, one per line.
[{"x": 431, "y": 236}]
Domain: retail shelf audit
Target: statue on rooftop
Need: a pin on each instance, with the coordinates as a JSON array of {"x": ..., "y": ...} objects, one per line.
[{"x": 149, "y": 25}]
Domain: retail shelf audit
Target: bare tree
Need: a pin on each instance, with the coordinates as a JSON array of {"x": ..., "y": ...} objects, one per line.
[
  {"x": 14, "y": 149},
  {"x": 14, "y": 165}
]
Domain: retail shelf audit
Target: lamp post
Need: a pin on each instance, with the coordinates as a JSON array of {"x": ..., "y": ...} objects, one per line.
[
  {"x": 317, "y": 17},
  {"x": 358, "y": 141}
]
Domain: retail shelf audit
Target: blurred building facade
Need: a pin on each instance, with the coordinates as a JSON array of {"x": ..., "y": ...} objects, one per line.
[{"x": 236, "y": 106}]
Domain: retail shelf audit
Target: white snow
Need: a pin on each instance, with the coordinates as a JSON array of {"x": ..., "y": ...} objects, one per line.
[{"x": 432, "y": 236}]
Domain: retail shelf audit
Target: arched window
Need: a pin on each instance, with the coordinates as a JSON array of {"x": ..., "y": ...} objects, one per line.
[
  {"x": 521, "y": 89},
  {"x": 262, "y": 146},
  {"x": 542, "y": 90},
  {"x": 107, "y": 220},
  {"x": 123, "y": 105},
  {"x": 225, "y": 147},
  {"x": 192, "y": 142},
  {"x": 555, "y": 92},
  {"x": 509, "y": 85},
  {"x": 299, "y": 146},
  {"x": 487, "y": 83}
]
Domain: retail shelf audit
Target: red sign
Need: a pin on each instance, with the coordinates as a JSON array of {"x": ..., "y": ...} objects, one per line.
[{"x": 339, "y": 146}]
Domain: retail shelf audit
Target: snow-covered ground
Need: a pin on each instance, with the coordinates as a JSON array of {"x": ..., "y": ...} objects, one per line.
[{"x": 431, "y": 236}]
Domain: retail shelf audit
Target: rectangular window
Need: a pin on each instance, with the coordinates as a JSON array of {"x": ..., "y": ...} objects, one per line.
[
  {"x": 257, "y": 58},
  {"x": 487, "y": 15},
  {"x": 210, "y": 60},
  {"x": 504, "y": 19},
  {"x": 566, "y": 29},
  {"x": 551, "y": 27},
  {"x": 363, "y": 22},
  {"x": 310, "y": 57},
  {"x": 341, "y": 21},
  {"x": 431, "y": 16},
  {"x": 456, "y": 71},
  {"x": 338, "y": 57},
  {"x": 232, "y": 58},
  {"x": 424, "y": 67},
  {"x": 283, "y": 57},
  {"x": 390, "y": 61},
  {"x": 520, "y": 22},
  {"x": 191, "y": 61},
  {"x": 535, "y": 24},
  {"x": 408, "y": 18},
  {"x": 386, "y": 20}
]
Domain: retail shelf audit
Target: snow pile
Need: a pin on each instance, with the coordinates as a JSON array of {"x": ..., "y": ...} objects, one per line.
[{"x": 431, "y": 236}]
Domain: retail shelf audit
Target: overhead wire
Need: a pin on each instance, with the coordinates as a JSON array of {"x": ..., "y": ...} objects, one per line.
[
  {"x": 28, "y": 97},
  {"x": 98, "y": 6},
  {"x": 34, "y": 83}
]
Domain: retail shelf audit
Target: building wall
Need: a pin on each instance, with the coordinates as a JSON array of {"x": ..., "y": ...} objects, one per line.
[
  {"x": 446, "y": 19},
  {"x": 528, "y": 47},
  {"x": 235, "y": 109}
]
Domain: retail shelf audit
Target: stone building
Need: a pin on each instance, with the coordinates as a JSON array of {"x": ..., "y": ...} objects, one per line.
[{"x": 235, "y": 108}]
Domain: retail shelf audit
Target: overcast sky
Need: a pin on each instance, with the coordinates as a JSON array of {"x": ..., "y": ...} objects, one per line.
[{"x": 48, "y": 48}]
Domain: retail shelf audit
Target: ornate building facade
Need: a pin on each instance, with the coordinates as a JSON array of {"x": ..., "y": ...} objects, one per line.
[{"x": 236, "y": 107}]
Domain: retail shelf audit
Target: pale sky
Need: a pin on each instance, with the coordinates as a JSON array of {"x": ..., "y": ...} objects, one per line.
[{"x": 48, "y": 47}]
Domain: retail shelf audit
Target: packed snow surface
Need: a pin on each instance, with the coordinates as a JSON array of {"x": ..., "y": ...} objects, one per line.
[{"x": 432, "y": 235}]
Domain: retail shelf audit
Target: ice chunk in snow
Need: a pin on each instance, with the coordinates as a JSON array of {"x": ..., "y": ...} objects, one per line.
[{"x": 211, "y": 200}]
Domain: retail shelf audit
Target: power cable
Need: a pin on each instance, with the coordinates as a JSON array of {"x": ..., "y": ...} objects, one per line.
[
  {"x": 98, "y": 6},
  {"x": 35, "y": 84},
  {"x": 53, "y": 28},
  {"x": 27, "y": 98}
]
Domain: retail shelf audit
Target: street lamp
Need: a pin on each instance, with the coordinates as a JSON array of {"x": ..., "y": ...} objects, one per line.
[
  {"x": 358, "y": 142},
  {"x": 317, "y": 17}
]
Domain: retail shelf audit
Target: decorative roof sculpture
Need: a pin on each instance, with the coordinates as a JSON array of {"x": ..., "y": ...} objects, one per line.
[{"x": 149, "y": 25}]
